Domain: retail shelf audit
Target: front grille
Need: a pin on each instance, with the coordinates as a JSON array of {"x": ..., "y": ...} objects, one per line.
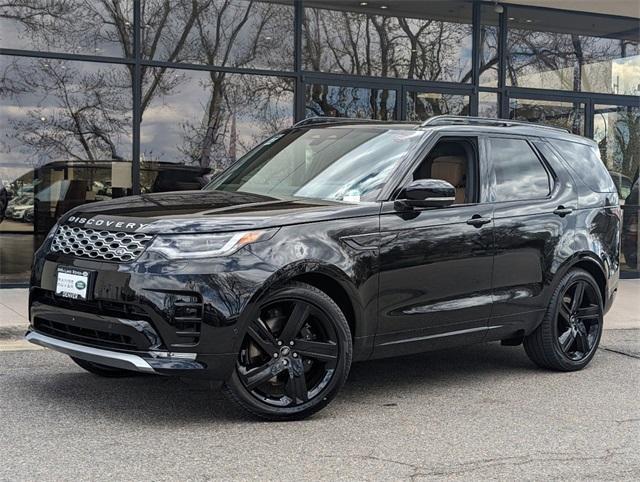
[
  {"x": 107, "y": 245},
  {"x": 84, "y": 335}
]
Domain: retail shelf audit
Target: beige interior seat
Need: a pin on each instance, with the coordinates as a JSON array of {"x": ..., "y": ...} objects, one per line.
[{"x": 451, "y": 169}]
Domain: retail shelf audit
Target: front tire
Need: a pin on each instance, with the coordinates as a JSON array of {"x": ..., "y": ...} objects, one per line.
[
  {"x": 295, "y": 356},
  {"x": 568, "y": 337}
]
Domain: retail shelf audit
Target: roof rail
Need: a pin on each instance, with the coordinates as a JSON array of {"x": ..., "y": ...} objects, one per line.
[
  {"x": 335, "y": 120},
  {"x": 440, "y": 120}
]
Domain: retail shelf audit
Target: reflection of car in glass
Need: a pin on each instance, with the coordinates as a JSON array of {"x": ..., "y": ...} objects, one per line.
[
  {"x": 28, "y": 215},
  {"x": 623, "y": 184},
  {"x": 4, "y": 200},
  {"x": 19, "y": 206},
  {"x": 165, "y": 176},
  {"x": 62, "y": 185},
  {"x": 631, "y": 212},
  {"x": 59, "y": 197},
  {"x": 335, "y": 241}
]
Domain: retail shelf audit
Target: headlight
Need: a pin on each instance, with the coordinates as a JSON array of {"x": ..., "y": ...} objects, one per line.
[{"x": 206, "y": 245}]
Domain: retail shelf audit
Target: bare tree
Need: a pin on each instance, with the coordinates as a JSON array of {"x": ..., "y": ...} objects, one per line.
[
  {"x": 380, "y": 45},
  {"x": 69, "y": 24},
  {"x": 218, "y": 32},
  {"x": 82, "y": 114},
  {"x": 626, "y": 132}
]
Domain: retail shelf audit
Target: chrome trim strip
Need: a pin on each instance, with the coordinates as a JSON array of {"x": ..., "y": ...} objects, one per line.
[
  {"x": 126, "y": 361},
  {"x": 441, "y": 335},
  {"x": 439, "y": 199}
]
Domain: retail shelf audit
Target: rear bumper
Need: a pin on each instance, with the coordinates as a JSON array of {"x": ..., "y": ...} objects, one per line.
[{"x": 159, "y": 362}]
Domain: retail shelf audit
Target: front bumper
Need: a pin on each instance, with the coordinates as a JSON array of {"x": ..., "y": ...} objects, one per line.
[
  {"x": 157, "y": 362},
  {"x": 152, "y": 309}
]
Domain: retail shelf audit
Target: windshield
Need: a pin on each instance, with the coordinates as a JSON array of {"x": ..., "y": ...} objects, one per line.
[{"x": 335, "y": 163}]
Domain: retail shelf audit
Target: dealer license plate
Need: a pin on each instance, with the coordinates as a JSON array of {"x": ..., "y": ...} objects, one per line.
[{"x": 72, "y": 283}]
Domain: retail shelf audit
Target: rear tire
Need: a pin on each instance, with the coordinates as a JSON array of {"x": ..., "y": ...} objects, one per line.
[
  {"x": 295, "y": 357},
  {"x": 103, "y": 370},
  {"x": 568, "y": 337}
]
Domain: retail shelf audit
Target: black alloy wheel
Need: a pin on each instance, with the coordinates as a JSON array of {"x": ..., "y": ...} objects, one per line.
[
  {"x": 570, "y": 332},
  {"x": 578, "y": 320},
  {"x": 295, "y": 356}
]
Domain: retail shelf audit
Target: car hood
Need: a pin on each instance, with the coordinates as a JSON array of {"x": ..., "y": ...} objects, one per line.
[{"x": 208, "y": 211}]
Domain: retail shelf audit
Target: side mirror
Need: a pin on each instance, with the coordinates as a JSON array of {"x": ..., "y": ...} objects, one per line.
[{"x": 427, "y": 193}]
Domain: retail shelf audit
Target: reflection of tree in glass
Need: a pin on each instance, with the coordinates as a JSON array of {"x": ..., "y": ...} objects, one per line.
[
  {"x": 376, "y": 45},
  {"x": 74, "y": 26},
  {"x": 424, "y": 105},
  {"x": 560, "y": 114},
  {"x": 216, "y": 32},
  {"x": 78, "y": 114},
  {"x": 553, "y": 60},
  {"x": 627, "y": 135},
  {"x": 620, "y": 142},
  {"x": 259, "y": 103},
  {"x": 336, "y": 101},
  {"x": 488, "y": 55},
  {"x": 237, "y": 34}
]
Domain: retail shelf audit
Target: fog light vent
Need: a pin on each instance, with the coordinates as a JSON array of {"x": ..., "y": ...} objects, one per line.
[{"x": 187, "y": 317}]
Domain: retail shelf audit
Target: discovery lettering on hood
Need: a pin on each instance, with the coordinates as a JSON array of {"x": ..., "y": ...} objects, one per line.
[{"x": 106, "y": 222}]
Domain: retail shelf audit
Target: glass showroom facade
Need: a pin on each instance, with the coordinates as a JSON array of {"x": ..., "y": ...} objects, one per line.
[{"x": 103, "y": 99}]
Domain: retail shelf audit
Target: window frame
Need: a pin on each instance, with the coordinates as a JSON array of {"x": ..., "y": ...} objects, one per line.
[
  {"x": 472, "y": 175},
  {"x": 397, "y": 183},
  {"x": 551, "y": 175}
]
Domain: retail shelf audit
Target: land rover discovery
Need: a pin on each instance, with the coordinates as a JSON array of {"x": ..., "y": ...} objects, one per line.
[{"x": 336, "y": 241}]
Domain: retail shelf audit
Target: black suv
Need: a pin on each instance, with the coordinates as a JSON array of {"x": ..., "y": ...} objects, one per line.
[{"x": 337, "y": 241}]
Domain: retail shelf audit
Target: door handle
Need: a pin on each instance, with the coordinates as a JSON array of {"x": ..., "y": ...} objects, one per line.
[
  {"x": 562, "y": 211},
  {"x": 478, "y": 221}
]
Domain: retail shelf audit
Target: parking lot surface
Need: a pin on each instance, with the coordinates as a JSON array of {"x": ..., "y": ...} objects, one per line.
[{"x": 481, "y": 412}]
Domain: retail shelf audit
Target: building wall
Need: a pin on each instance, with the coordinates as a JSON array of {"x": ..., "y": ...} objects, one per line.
[{"x": 102, "y": 99}]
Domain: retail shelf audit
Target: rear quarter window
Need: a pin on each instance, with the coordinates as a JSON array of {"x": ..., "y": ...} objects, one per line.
[
  {"x": 519, "y": 174},
  {"x": 585, "y": 162}
]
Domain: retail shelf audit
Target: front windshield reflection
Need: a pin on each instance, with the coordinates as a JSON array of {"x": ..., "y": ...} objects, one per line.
[{"x": 341, "y": 164}]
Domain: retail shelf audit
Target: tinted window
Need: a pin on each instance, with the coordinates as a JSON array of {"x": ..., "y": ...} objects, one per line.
[
  {"x": 585, "y": 161},
  {"x": 519, "y": 172}
]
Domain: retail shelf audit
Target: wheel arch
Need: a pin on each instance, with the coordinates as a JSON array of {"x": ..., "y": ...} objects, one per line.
[
  {"x": 330, "y": 279},
  {"x": 334, "y": 290},
  {"x": 590, "y": 263}
]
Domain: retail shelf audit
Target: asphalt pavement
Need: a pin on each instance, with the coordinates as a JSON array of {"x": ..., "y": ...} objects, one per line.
[{"x": 473, "y": 413}]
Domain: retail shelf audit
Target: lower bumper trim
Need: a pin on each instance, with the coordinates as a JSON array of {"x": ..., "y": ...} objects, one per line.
[{"x": 151, "y": 362}]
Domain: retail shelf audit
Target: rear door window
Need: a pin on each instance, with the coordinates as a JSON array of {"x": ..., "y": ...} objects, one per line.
[
  {"x": 585, "y": 162},
  {"x": 519, "y": 173}
]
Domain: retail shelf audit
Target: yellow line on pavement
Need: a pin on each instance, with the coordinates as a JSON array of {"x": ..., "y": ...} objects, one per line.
[{"x": 18, "y": 345}]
